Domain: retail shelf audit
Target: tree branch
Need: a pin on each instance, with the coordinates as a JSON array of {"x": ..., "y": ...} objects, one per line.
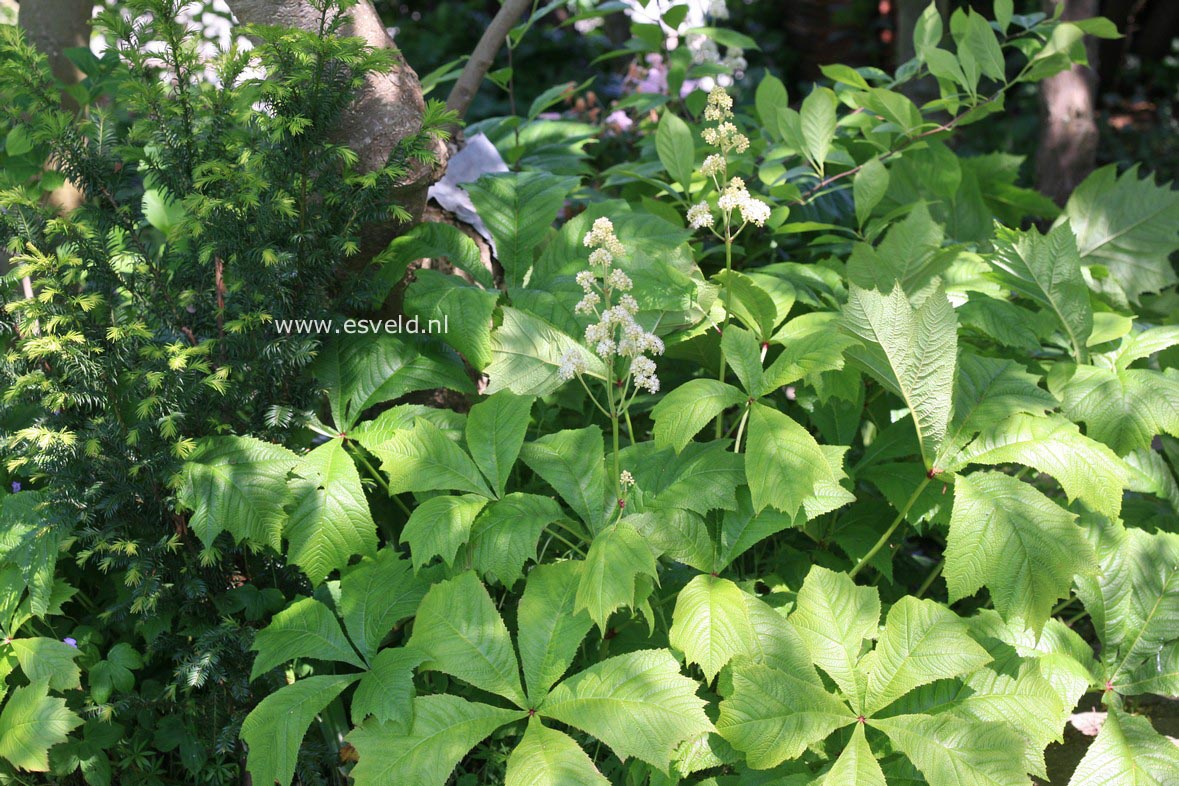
[{"x": 483, "y": 57}]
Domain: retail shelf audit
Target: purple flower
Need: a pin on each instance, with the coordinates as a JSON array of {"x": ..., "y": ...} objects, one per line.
[
  {"x": 15, "y": 486},
  {"x": 71, "y": 641}
]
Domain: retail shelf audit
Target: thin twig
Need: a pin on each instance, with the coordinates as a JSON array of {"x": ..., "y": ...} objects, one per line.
[{"x": 483, "y": 57}]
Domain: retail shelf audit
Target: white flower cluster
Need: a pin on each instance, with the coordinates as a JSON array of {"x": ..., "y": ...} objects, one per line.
[
  {"x": 625, "y": 479},
  {"x": 733, "y": 197},
  {"x": 737, "y": 197},
  {"x": 718, "y": 9},
  {"x": 616, "y": 333}
]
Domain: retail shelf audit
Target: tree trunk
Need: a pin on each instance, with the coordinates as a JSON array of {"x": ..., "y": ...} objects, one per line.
[{"x": 1068, "y": 137}]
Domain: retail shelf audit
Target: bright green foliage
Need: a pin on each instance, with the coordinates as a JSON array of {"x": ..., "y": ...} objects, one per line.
[
  {"x": 330, "y": 519},
  {"x": 856, "y": 766},
  {"x": 1124, "y": 408},
  {"x": 953, "y": 751},
  {"x": 638, "y": 690},
  {"x": 304, "y": 629},
  {"x": 386, "y": 690},
  {"x": 495, "y": 433},
  {"x": 375, "y": 595},
  {"x": 1127, "y": 225},
  {"x": 275, "y": 729},
  {"x": 921, "y": 642},
  {"x": 550, "y": 629},
  {"x": 444, "y": 729},
  {"x": 1086, "y": 469},
  {"x": 1023, "y": 546},
  {"x": 682, "y": 413},
  {"x": 773, "y": 716},
  {"x": 31, "y": 723},
  {"x": 546, "y": 757},
  {"x": 785, "y": 466},
  {"x": 617, "y": 562},
  {"x": 1127, "y": 751},
  {"x": 439, "y": 526},
  {"x": 518, "y": 208},
  {"x": 505, "y": 534},
  {"x": 711, "y": 623},
  {"x": 911, "y": 351},
  {"x": 462, "y": 309},
  {"x": 807, "y": 505},
  {"x": 422, "y": 458},
  {"x": 1046, "y": 269},
  {"x": 571, "y": 462},
  {"x": 461, "y": 634},
  {"x": 237, "y": 483},
  {"x": 834, "y": 617},
  {"x": 47, "y": 659}
]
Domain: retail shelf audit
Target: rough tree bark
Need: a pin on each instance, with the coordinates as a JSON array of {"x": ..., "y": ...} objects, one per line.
[{"x": 1068, "y": 136}]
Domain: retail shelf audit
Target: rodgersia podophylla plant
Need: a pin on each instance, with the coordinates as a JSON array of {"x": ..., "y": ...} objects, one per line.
[{"x": 623, "y": 344}]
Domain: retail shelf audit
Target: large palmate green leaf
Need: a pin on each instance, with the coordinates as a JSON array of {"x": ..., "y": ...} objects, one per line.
[
  {"x": 519, "y": 209},
  {"x": 1128, "y": 752},
  {"x": 1133, "y": 600},
  {"x": 1128, "y": 225},
  {"x": 856, "y": 766},
  {"x": 616, "y": 697},
  {"x": 428, "y": 240},
  {"x": 911, "y": 351},
  {"x": 1125, "y": 408},
  {"x": 546, "y": 757},
  {"x": 31, "y": 723},
  {"x": 571, "y": 462},
  {"x": 953, "y": 751},
  {"x": 423, "y": 458},
  {"x": 1086, "y": 469},
  {"x": 375, "y": 595},
  {"x": 274, "y": 730},
  {"x": 439, "y": 526},
  {"x": 505, "y": 535},
  {"x": 461, "y": 634},
  {"x": 711, "y": 623},
  {"x": 704, "y": 476},
  {"x": 1046, "y": 269},
  {"x": 461, "y": 309},
  {"x": 741, "y": 528},
  {"x": 42, "y": 658},
  {"x": 911, "y": 255},
  {"x": 29, "y": 541},
  {"x": 304, "y": 629},
  {"x": 1010, "y": 537},
  {"x": 386, "y": 690},
  {"x": 684, "y": 411},
  {"x": 237, "y": 484},
  {"x": 444, "y": 729},
  {"x": 785, "y": 466},
  {"x": 922, "y": 641},
  {"x": 834, "y": 617},
  {"x": 616, "y": 561},
  {"x": 527, "y": 353},
  {"x": 550, "y": 630},
  {"x": 360, "y": 371},
  {"x": 805, "y": 355},
  {"x": 772, "y": 716},
  {"x": 987, "y": 390},
  {"x": 330, "y": 521},
  {"x": 495, "y": 432}
]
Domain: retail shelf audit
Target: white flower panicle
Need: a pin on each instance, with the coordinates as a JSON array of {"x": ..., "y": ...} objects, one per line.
[
  {"x": 719, "y": 107},
  {"x": 616, "y": 333},
  {"x": 714, "y": 165},
  {"x": 718, "y": 9},
  {"x": 726, "y": 137},
  {"x": 700, "y": 216},
  {"x": 737, "y": 197},
  {"x": 625, "y": 479}
]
